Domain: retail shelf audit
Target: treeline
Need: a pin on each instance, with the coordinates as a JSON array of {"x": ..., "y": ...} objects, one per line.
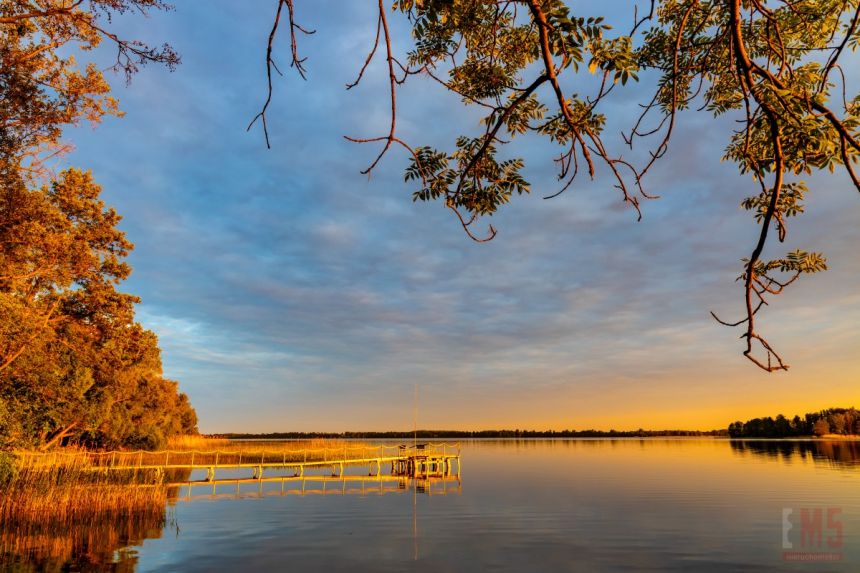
[
  {"x": 437, "y": 434},
  {"x": 75, "y": 365},
  {"x": 840, "y": 421}
]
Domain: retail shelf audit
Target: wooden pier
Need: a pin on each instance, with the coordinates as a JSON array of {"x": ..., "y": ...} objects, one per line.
[{"x": 419, "y": 460}]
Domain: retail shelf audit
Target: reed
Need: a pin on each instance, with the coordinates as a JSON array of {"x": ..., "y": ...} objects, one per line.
[
  {"x": 195, "y": 443},
  {"x": 58, "y": 505},
  {"x": 64, "y": 488},
  {"x": 202, "y": 443}
]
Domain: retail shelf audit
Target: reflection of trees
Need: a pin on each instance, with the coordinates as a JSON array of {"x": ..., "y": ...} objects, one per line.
[
  {"x": 98, "y": 537},
  {"x": 100, "y": 543},
  {"x": 840, "y": 453}
]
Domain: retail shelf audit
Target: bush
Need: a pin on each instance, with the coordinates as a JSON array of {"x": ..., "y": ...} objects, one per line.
[{"x": 8, "y": 467}]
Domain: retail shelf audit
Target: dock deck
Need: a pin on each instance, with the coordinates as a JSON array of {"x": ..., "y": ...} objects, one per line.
[{"x": 419, "y": 460}]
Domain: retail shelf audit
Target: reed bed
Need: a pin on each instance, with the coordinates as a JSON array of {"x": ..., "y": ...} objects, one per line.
[
  {"x": 66, "y": 487},
  {"x": 57, "y": 505},
  {"x": 195, "y": 443},
  {"x": 201, "y": 443}
]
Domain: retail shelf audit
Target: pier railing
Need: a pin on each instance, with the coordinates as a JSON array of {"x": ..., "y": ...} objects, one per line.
[{"x": 241, "y": 457}]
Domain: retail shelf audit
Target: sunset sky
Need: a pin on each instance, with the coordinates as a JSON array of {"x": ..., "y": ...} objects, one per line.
[{"x": 289, "y": 292}]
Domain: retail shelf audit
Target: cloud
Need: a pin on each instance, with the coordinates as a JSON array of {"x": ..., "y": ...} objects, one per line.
[{"x": 282, "y": 283}]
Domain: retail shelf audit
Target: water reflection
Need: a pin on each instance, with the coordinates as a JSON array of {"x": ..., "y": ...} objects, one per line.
[
  {"x": 110, "y": 542},
  {"x": 281, "y": 486},
  {"x": 99, "y": 544},
  {"x": 565, "y": 505},
  {"x": 835, "y": 453}
]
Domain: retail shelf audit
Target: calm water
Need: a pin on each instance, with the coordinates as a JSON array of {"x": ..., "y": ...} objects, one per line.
[{"x": 571, "y": 505}]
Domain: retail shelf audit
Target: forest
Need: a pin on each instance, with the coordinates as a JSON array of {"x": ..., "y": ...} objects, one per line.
[{"x": 839, "y": 421}]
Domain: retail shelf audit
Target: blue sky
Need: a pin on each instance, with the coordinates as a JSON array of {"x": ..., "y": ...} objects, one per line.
[{"x": 290, "y": 292}]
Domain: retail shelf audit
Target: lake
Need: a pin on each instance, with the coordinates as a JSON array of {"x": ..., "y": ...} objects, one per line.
[{"x": 518, "y": 505}]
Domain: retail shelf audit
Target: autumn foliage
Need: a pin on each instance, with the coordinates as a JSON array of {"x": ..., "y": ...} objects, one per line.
[{"x": 75, "y": 366}]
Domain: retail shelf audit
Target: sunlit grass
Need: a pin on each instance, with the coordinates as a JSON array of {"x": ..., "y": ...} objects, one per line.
[
  {"x": 224, "y": 451},
  {"x": 138, "y": 467},
  {"x": 65, "y": 486},
  {"x": 54, "y": 505},
  {"x": 202, "y": 443}
]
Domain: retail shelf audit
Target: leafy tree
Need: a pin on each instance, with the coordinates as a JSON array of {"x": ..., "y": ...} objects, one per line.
[
  {"x": 821, "y": 427},
  {"x": 772, "y": 66},
  {"x": 799, "y": 428},
  {"x": 42, "y": 86},
  {"x": 75, "y": 364}
]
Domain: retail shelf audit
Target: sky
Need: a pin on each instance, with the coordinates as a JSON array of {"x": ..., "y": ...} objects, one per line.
[{"x": 291, "y": 293}]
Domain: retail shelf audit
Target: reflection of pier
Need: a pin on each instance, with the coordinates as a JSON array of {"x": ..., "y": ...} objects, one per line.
[
  {"x": 416, "y": 461},
  {"x": 315, "y": 485}
]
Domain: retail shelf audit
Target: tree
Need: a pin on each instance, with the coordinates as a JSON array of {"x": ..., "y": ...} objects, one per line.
[
  {"x": 774, "y": 67},
  {"x": 821, "y": 427},
  {"x": 837, "y": 423},
  {"x": 75, "y": 364},
  {"x": 42, "y": 86},
  {"x": 799, "y": 427}
]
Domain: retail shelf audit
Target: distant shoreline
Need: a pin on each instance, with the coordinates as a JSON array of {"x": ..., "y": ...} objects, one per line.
[
  {"x": 505, "y": 434},
  {"x": 436, "y": 434}
]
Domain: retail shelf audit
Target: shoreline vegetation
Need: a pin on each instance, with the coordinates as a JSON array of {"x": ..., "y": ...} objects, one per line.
[
  {"x": 506, "y": 434},
  {"x": 466, "y": 434},
  {"x": 830, "y": 423}
]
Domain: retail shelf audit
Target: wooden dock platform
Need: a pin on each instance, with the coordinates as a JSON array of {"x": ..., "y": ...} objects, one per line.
[{"x": 418, "y": 460}]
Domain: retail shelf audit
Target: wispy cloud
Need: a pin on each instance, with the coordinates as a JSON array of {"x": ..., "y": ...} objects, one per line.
[{"x": 283, "y": 281}]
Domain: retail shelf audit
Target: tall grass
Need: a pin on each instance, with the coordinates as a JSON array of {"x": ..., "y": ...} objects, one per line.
[
  {"x": 52, "y": 506},
  {"x": 67, "y": 487},
  {"x": 202, "y": 443},
  {"x": 195, "y": 443}
]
